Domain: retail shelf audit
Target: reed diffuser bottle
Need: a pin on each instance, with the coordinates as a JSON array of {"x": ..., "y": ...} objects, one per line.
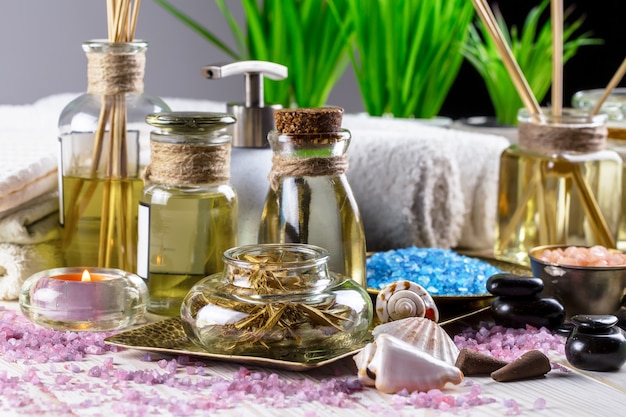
[
  {"x": 310, "y": 200},
  {"x": 615, "y": 109},
  {"x": 188, "y": 211},
  {"x": 560, "y": 185},
  {"x": 104, "y": 137}
]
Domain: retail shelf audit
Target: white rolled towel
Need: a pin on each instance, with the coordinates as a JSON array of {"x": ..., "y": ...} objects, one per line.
[
  {"x": 478, "y": 156},
  {"x": 407, "y": 189},
  {"x": 18, "y": 262},
  {"x": 33, "y": 222},
  {"x": 418, "y": 184}
]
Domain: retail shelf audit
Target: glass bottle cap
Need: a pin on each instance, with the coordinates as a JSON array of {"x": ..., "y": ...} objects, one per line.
[{"x": 190, "y": 121}]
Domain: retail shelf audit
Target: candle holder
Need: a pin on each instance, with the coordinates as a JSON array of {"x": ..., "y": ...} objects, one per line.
[{"x": 84, "y": 299}]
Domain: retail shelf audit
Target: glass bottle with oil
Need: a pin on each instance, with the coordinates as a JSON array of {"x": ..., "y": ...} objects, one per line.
[
  {"x": 615, "y": 108},
  {"x": 103, "y": 139},
  {"x": 310, "y": 200},
  {"x": 188, "y": 211},
  {"x": 559, "y": 186}
]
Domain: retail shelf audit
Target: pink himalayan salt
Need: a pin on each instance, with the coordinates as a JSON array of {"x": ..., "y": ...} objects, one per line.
[{"x": 583, "y": 256}]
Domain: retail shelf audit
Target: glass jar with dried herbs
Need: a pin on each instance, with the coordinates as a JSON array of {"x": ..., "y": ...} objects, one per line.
[
  {"x": 277, "y": 301},
  {"x": 559, "y": 185},
  {"x": 309, "y": 199},
  {"x": 188, "y": 210},
  {"x": 104, "y": 148}
]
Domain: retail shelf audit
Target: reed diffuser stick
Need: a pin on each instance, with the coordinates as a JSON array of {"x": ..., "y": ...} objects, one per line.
[
  {"x": 617, "y": 77},
  {"x": 519, "y": 80},
  {"x": 556, "y": 8}
]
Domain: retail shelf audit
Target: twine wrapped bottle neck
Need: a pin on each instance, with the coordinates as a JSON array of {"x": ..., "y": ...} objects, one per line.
[
  {"x": 114, "y": 73},
  {"x": 306, "y": 167},
  {"x": 188, "y": 165},
  {"x": 562, "y": 137}
]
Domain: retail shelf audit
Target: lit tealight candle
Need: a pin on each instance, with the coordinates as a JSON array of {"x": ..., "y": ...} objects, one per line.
[{"x": 95, "y": 299}]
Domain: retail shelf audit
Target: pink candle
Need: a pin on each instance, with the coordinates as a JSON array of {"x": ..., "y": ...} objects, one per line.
[{"x": 84, "y": 298}]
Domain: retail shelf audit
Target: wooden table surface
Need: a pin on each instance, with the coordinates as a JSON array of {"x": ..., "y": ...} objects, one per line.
[{"x": 71, "y": 388}]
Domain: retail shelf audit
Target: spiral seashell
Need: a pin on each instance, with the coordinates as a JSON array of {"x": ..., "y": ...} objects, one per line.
[
  {"x": 392, "y": 365},
  {"x": 423, "y": 334},
  {"x": 403, "y": 299}
]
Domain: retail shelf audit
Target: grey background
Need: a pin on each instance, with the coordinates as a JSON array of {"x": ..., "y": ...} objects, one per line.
[{"x": 41, "y": 51}]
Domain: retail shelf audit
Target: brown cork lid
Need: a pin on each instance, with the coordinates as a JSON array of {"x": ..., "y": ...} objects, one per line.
[{"x": 308, "y": 120}]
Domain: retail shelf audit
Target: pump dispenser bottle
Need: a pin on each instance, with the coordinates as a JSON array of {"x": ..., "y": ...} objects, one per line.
[{"x": 251, "y": 157}]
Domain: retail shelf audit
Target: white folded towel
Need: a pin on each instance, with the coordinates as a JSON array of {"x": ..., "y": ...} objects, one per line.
[
  {"x": 29, "y": 156},
  {"x": 18, "y": 262},
  {"x": 406, "y": 187},
  {"x": 33, "y": 222},
  {"x": 478, "y": 156},
  {"x": 423, "y": 185}
]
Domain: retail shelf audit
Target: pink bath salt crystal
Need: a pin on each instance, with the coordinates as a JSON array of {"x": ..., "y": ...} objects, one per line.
[
  {"x": 583, "y": 256},
  {"x": 539, "y": 404},
  {"x": 512, "y": 407}
]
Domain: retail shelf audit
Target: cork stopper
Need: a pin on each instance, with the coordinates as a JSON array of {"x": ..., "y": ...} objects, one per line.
[{"x": 308, "y": 120}]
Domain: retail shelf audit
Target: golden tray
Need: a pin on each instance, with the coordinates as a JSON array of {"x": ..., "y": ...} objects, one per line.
[{"x": 167, "y": 336}]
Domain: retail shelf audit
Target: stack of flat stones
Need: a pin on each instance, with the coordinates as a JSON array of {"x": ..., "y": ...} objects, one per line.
[{"x": 518, "y": 303}]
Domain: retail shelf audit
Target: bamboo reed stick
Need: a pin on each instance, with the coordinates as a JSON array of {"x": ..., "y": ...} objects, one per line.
[
  {"x": 615, "y": 80},
  {"x": 518, "y": 78},
  {"x": 556, "y": 8}
]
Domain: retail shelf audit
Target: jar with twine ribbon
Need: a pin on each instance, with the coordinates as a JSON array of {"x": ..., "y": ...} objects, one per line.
[
  {"x": 559, "y": 186},
  {"x": 615, "y": 109},
  {"x": 309, "y": 199},
  {"x": 188, "y": 210},
  {"x": 104, "y": 148}
]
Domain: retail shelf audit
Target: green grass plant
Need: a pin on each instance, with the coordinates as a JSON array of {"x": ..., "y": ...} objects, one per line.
[
  {"x": 303, "y": 35},
  {"x": 406, "y": 53},
  {"x": 531, "y": 47}
]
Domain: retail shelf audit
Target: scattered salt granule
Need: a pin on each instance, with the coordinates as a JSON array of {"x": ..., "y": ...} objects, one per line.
[
  {"x": 540, "y": 404},
  {"x": 193, "y": 389},
  {"x": 583, "y": 256},
  {"x": 509, "y": 344},
  {"x": 21, "y": 339}
]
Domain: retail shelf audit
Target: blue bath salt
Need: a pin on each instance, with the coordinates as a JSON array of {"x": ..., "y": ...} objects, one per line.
[{"x": 440, "y": 271}]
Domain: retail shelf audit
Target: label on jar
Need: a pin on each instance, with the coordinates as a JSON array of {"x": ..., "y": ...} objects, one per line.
[
  {"x": 174, "y": 234},
  {"x": 143, "y": 241}
]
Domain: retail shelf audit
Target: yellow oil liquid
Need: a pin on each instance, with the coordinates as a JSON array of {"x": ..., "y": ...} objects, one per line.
[
  {"x": 100, "y": 222},
  {"x": 617, "y": 141},
  {"x": 318, "y": 211},
  {"x": 546, "y": 200},
  {"x": 188, "y": 234}
]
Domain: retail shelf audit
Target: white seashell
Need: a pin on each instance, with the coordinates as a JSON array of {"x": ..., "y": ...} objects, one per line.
[
  {"x": 392, "y": 365},
  {"x": 423, "y": 334},
  {"x": 403, "y": 299}
]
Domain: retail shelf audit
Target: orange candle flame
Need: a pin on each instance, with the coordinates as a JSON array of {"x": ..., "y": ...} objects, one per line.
[{"x": 86, "y": 276}]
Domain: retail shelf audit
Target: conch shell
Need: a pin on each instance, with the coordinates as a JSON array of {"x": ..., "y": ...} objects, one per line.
[
  {"x": 403, "y": 299},
  {"x": 423, "y": 334},
  {"x": 392, "y": 365}
]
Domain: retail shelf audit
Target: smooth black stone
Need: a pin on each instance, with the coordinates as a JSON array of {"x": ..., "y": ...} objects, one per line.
[
  {"x": 537, "y": 312},
  {"x": 596, "y": 348},
  {"x": 510, "y": 285},
  {"x": 621, "y": 317},
  {"x": 594, "y": 322}
]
